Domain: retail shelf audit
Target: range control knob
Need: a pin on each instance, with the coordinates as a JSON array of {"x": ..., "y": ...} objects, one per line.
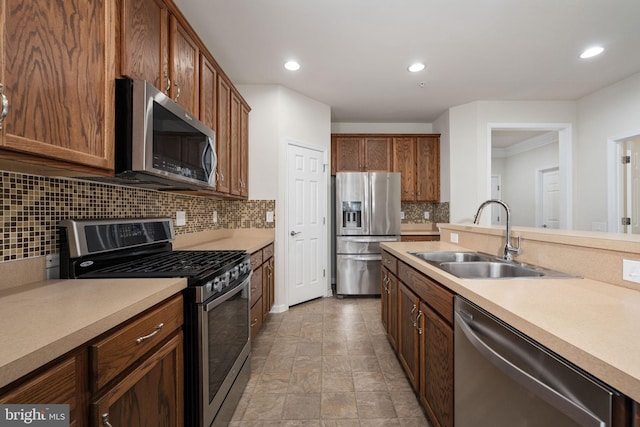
[
  {"x": 235, "y": 273},
  {"x": 218, "y": 284}
]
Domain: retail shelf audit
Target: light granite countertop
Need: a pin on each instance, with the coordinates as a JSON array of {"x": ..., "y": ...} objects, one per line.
[
  {"x": 590, "y": 323},
  {"x": 44, "y": 320}
]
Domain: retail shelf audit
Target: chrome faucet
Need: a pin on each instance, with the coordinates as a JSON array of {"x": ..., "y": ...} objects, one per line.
[{"x": 508, "y": 249}]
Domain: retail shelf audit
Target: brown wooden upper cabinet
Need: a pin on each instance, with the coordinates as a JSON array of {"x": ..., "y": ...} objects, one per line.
[
  {"x": 417, "y": 158},
  {"x": 361, "y": 153},
  {"x": 156, "y": 47},
  {"x": 59, "y": 83}
]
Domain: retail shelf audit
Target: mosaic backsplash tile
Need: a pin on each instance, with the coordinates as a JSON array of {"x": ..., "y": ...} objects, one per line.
[
  {"x": 414, "y": 212},
  {"x": 33, "y": 205}
]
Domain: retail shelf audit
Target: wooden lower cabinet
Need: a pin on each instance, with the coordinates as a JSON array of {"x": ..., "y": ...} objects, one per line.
[
  {"x": 262, "y": 286},
  {"x": 150, "y": 395},
  {"x": 389, "y": 295},
  {"x": 436, "y": 367},
  {"x": 423, "y": 310},
  {"x": 408, "y": 339},
  {"x": 418, "y": 238},
  {"x": 130, "y": 376},
  {"x": 61, "y": 383}
]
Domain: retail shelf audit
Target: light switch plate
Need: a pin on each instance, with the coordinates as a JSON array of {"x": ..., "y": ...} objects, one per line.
[
  {"x": 401, "y": 215},
  {"x": 181, "y": 218},
  {"x": 426, "y": 214},
  {"x": 269, "y": 216},
  {"x": 454, "y": 237},
  {"x": 631, "y": 270},
  {"x": 214, "y": 217}
]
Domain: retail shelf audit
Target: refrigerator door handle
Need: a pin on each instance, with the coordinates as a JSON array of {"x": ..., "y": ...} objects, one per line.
[{"x": 375, "y": 257}]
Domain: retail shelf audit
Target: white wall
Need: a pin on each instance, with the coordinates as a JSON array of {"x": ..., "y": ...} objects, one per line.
[
  {"x": 441, "y": 126},
  {"x": 519, "y": 176},
  {"x": 279, "y": 115},
  {"x": 608, "y": 113},
  {"x": 468, "y": 127},
  {"x": 381, "y": 127}
]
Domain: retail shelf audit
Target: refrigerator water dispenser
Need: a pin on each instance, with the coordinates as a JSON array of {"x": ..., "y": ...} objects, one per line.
[{"x": 352, "y": 215}]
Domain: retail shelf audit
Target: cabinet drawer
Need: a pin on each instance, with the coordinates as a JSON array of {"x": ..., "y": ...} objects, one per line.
[
  {"x": 120, "y": 349},
  {"x": 267, "y": 252},
  {"x": 256, "y": 259},
  {"x": 390, "y": 262},
  {"x": 439, "y": 298},
  {"x": 256, "y": 318},
  {"x": 256, "y": 285}
]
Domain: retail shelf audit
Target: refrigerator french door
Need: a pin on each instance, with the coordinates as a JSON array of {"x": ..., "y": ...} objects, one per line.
[{"x": 367, "y": 213}]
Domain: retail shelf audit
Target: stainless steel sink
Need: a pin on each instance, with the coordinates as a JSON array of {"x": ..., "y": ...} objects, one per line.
[
  {"x": 440, "y": 257},
  {"x": 477, "y": 265},
  {"x": 488, "y": 270}
]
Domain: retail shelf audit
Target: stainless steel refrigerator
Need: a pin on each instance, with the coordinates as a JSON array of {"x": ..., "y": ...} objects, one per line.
[{"x": 367, "y": 213}]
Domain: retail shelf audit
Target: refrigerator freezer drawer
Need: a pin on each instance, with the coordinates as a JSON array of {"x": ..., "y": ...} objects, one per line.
[{"x": 358, "y": 274}]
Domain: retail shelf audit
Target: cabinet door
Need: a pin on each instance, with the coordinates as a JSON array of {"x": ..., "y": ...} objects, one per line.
[
  {"x": 389, "y": 301},
  {"x": 235, "y": 144},
  {"x": 408, "y": 344},
  {"x": 378, "y": 154},
  {"x": 272, "y": 282},
  {"x": 150, "y": 395},
  {"x": 349, "y": 157},
  {"x": 57, "y": 69},
  {"x": 184, "y": 58},
  {"x": 60, "y": 384},
  {"x": 244, "y": 150},
  {"x": 404, "y": 161},
  {"x": 223, "y": 141},
  {"x": 144, "y": 48},
  {"x": 208, "y": 92},
  {"x": 266, "y": 278},
  {"x": 428, "y": 169},
  {"x": 436, "y": 357}
]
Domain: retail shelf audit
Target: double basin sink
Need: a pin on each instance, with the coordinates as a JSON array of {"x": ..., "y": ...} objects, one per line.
[{"x": 476, "y": 265}]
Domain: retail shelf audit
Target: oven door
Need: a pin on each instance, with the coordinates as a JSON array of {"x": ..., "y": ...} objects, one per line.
[{"x": 224, "y": 331}]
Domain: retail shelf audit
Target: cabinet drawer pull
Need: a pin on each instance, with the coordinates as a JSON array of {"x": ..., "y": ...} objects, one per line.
[
  {"x": 254, "y": 323},
  {"x": 146, "y": 337},
  {"x": 105, "y": 420}
]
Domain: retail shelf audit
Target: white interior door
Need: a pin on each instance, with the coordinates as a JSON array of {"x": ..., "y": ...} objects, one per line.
[
  {"x": 307, "y": 210},
  {"x": 550, "y": 198},
  {"x": 633, "y": 185}
]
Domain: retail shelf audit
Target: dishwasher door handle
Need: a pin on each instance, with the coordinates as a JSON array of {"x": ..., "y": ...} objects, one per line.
[{"x": 574, "y": 411}]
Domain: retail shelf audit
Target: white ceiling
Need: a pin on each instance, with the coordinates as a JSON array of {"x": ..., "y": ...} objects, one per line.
[{"x": 355, "y": 53}]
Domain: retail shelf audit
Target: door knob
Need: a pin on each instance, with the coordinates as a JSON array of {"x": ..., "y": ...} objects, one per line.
[{"x": 293, "y": 233}]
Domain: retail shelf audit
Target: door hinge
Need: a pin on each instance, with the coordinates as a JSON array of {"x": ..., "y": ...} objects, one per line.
[
  {"x": 626, "y": 160},
  {"x": 324, "y": 273},
  {"x": 626, "y": 221},
  {"x": 324, "y": 167},
  {"x": 324, "y": 220}
]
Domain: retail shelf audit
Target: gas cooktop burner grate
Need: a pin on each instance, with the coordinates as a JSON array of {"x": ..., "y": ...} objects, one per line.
[{"x": 183, "y": 263}]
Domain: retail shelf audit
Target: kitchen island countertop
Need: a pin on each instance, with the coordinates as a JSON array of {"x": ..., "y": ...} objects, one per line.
[
  {"x": 44, "y": 320},
  {"x": 590, "y": 323}
]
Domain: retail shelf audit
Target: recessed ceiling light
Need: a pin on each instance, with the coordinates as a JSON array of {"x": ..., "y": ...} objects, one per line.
[
  {"x": 591, "y": 52},
  {"x": 292, "y": 66},
  {"x": 414, "y": 68}
]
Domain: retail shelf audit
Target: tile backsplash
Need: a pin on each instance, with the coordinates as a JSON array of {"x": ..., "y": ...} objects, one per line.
[
  {"x": 414, "y": 212},
  {"x": 32, "y": 206}
]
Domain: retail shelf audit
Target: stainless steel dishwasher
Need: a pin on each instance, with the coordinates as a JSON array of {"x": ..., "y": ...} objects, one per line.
[{"x": 505, "y": 379}]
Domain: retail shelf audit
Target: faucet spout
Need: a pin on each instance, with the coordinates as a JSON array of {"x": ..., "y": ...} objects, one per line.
[{"x": 508, "y": 249}]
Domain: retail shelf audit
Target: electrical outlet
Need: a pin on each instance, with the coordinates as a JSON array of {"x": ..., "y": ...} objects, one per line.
[
  {"x": 181, "y": 218},
  {"x": 401, "y": 215},
  {"x": 426, "y": 214},
  {"x": 631, "y": 270},
  {"x": 214, "y": 217},
  {"x": 269, "y": 216},
  {"x": 454, "y": 237}
]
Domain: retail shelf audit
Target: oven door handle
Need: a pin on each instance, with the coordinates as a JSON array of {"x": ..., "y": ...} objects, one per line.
[{"x": 233, "y": 292}]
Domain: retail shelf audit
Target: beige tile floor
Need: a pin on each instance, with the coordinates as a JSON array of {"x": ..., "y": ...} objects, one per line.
[{"x": 327, "y": 362}]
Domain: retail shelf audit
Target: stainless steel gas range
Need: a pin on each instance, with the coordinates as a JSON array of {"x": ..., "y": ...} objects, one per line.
[{"x": 217, "y": 301}]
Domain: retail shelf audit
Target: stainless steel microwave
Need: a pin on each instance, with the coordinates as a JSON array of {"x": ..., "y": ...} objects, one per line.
[{"x": 158, "y": 144}]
